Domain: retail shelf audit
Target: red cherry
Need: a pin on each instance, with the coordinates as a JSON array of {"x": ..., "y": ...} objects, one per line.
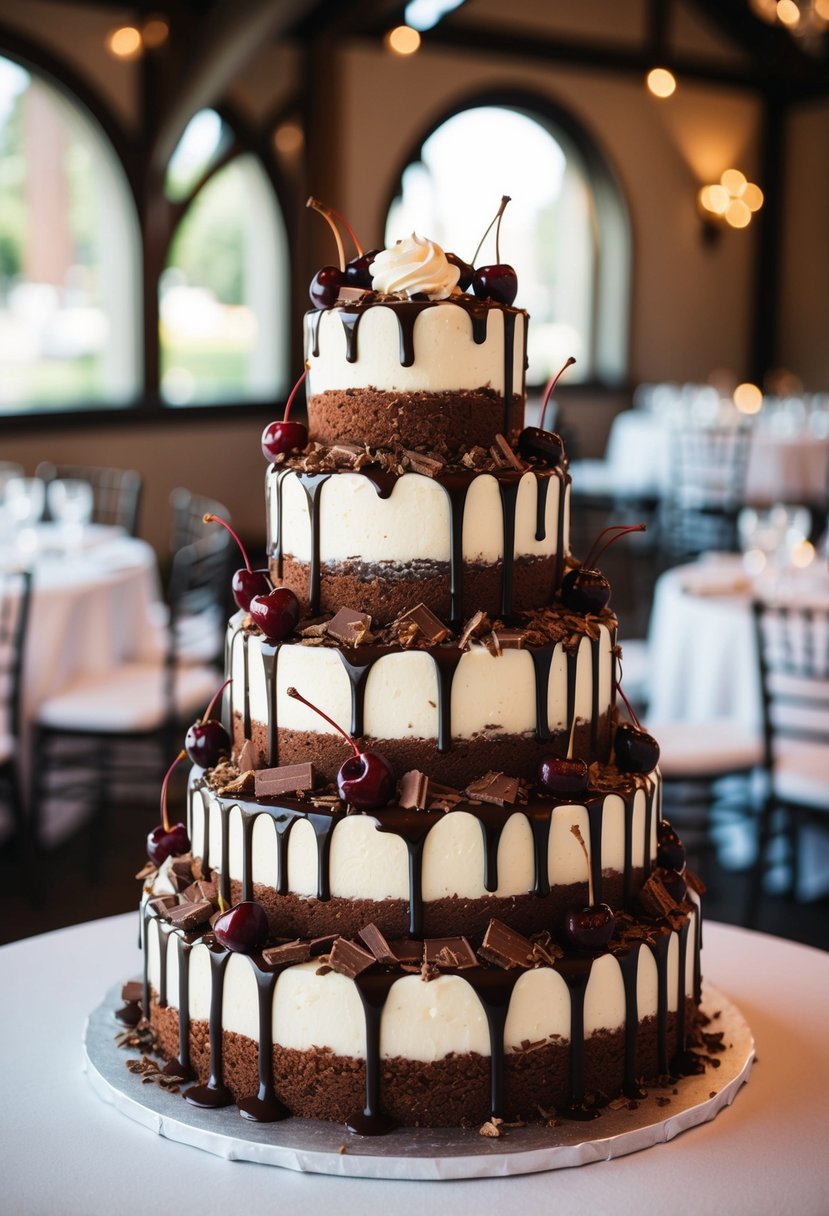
[
  {"x": 167, "y": 840},
  {"x": 636, "y": 751},
  {"x": 559, "y": 776},
  {"x": 284, "y": 436},
  {"x": 591, "y": 927},
  {"x": 534, "y": 440},
  {"x": 206, "y": 743},
  {"x": 242, "y": 928},
  {"x": 245, "y": 584},
  {"x": 366, "y": 779},
  {"x": 358, "y": 270},
  {"x": 277, "y": 614},
  {"x": 673, "y": 882},
  {"x": 670, "y": 853},
  {"x": 585, "y": 590},
  {"x": 498, "y": 282},
  {"x": 325, "y": 286}
]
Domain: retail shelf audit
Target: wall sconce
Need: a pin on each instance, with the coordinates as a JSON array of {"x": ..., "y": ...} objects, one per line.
[{"x": 730, "y": 203}]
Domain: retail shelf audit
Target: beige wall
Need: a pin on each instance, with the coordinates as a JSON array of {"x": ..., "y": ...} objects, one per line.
[{"x": 692, "y": 303}]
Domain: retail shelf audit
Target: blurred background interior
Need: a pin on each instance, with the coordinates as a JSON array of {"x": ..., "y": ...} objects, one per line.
[{"x": 666, "y": 161}]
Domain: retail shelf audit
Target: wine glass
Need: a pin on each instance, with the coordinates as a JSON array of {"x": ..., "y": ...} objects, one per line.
[
  {"x": 25, "y": 500},
  {"x": 70, "y": 506}
]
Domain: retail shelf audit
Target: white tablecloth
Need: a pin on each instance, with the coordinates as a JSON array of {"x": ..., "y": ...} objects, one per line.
[
  {"x": 781, "y": 468},
  {"x": 90, "y": 610},
  {"x": 66, "y": 1153}
]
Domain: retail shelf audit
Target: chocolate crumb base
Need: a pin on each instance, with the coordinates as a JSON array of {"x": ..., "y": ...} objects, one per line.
[
  {"x": 303, "y": 916},
  {"x": 451, "y": 421},
  {"x": 385, "y": 590},
  {"x": 451, "y": 1092},
  {"x": 466, "y": 759}
]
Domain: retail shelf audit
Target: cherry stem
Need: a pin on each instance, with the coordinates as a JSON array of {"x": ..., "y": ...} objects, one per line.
[
  {"x": 217, "y": 519},
  {"x": 496, "y": 219},
  {"x": 617, "y": 530},
  {"x": 548, "y": 392},
  {"x": 324, "y": 211},
  {"x": 342, "y": 220},
  {"x": 572, "y": 737},
  {"x": 216, "y": 696},
  {"x": 293, "y": 394},
  {"x": 628, "y": 705},
  {"x": 165, "y": 821},
  {"x": 576, "y": 830},
  {"x": 297, "y": 696},
  {"x": 224, "y": 906}
]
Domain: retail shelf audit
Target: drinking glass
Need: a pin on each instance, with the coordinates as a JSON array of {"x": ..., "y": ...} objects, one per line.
[
  {"x": 70, "y": 506},
  {"x": 25, "y": 500}
]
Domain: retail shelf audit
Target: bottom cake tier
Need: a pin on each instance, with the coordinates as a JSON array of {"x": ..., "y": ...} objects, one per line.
[{"x": 443, "y": 1032}]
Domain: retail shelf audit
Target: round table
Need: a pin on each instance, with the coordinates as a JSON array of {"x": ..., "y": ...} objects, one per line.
[
  {"x": 93, "y": 607},
  {"x": 66, "y": 1151}
]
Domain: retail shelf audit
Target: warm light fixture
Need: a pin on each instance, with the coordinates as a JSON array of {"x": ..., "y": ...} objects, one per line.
[
  {"x": 748, "y": 398},
  {"x": 125, "y": 42},
  {"x": 661, "y": 82},
  {"x": 288, "y": 138},
  {"x": 733, "y": 200},
  {"x": 402, "y": 40},
  {"x": 154, "y": 32},
  {"x": 806, "y": 20}
]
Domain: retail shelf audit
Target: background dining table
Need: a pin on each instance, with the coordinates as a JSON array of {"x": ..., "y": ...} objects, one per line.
[
  {"x": 94, "y": 604},
  {"x": 64, "y": 1150}
]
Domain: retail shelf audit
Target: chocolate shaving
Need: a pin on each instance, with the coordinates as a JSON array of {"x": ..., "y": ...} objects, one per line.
[
  {"x": 414, "y": 790},
  {"x": 545, "y": 949},
  {"x": 349, "y": 627},
  {"x": 476, "y": 624},
  {"x": 247, "y": 757},
  {"x": 373, "y": 939},
  {"x": 347, "y": 958},
  {"x": 284, "y": 779},
  {"x": 243, "y": 784},
  {"x": 419, "y": 462},
  {"x": 506, "y": 948},
  {"x": 449, "y": 952},
  {"x": 507, "y": 452},
  {"x": 288, "y": 952},
  {"x": 494, "y": 788},
  {"x": 429, "y": 625},
  {"x": 319, "y": 945}
]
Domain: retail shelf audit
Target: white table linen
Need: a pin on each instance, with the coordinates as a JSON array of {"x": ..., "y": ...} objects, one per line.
[{"x": 65, "y": 1151}]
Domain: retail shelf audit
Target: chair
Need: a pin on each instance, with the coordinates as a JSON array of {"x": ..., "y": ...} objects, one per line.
[
  {"x": 15, "y": 597},
  {"x": 705, "y": 491},
  {"x": 187, "y": 512},
  {"x": 793, "y": 657},
  {"x": 116, "y": 492},
  {"x": 80, "y": 731}
]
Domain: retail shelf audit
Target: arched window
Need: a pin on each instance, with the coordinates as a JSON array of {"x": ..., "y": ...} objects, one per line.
[
  {"x": 223, "y": 296},
  {"x": 565, "y": 230},
  {"x": 69, "y": 255}
]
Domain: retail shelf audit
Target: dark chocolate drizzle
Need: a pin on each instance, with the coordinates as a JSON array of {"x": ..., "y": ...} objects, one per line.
[
  {"x": 215, "y": 1093},
  {"x": 264, "y": 1106}
]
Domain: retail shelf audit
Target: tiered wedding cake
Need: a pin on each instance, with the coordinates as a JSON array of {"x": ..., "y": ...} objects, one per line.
[{"x": 473, "y": 909}]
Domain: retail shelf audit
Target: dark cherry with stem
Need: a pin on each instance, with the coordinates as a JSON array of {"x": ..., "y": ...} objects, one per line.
[
  {"x": 670, "y": 851},
  {"x": 366, "y": 779},
  {"x": 246, "y": 583},
  {"x": 277, "y": 613},
  {"x": 357, "y": 272},
  {"x": 497, "y": 282},
  {"x": 590, "y": 927},
  {"x": 167, "y": 840},
  {"x": 547, "y": 446},
  {"x": 207, "y": 740},
  {"x": 567, "y": 776},
  {"x": 585, "y": 589},
  {"x": 284, "y": 435},
  {"x": 636, "y": 751},
  {"x": 326, "y": 283},
  {"x": 242, "y": 928}
]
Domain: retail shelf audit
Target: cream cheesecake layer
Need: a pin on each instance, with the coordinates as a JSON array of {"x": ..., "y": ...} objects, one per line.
[
  {"x": 401, "y": 697},
  {"x": 414, "y": 522},
  {"x": 366, "y": 863},
  {"x": 446, "y": 356},
  {"x": 420, "y": 1021}
]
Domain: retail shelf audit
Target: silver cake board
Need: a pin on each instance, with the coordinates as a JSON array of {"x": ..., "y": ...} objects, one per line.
[{"x": 421, "y": 1153}]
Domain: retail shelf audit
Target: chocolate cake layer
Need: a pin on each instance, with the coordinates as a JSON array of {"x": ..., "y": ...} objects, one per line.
[
  {"x": 449, "y": 422},
  {"x": 453, "y": 1091},
  {"x": 466, "y": 759},
  {"x": 299, "y": 916},
  {"x": 385, "y": 590}
]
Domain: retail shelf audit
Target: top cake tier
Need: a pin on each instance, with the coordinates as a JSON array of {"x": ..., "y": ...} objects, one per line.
[{"x": 442, "y": 374}]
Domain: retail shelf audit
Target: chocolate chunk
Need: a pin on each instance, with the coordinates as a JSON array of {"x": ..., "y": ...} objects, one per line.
[
  {"x": 285, "y": 779},
  {"x": 505, "y": 948},
  {"x": 247, "y": 757},
  {"x": 347, "y": 958},
  {"x": 288, "y": 952},
  {"x": 495, "y": 788},
  {"x": 414, "y": 790},
  {"x": 449, "y": 952},
  {"x": 133, "y": 990},
  {"x": 349, "y": 627},
  {"x": 656, "y": 900},
  {"x": 545, "y": 949},
  {"x": 510, "y": 639},
  {"x": 191, "y": 916},
  {"x": 506, "y": 451},
  {"x": 472, "y": 628},
  {"x": 371, "y": 937},
  {"x": 432, "y": 628},
  {"x": 161, "y": 903},
  {"x": 201, "y": 889},
  {"x": 407, "y": 951},
  {"x": 320, "y": 945},
  {"x": 419, "y": 462},
  {"x": 180, "y": 872}
]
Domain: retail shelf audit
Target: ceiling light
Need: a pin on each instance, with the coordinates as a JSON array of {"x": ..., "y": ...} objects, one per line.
[
  {"x": 125, "y": 42},
  {"x": 402, "y": 40},
  {"x": 661, "y": 83}
]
